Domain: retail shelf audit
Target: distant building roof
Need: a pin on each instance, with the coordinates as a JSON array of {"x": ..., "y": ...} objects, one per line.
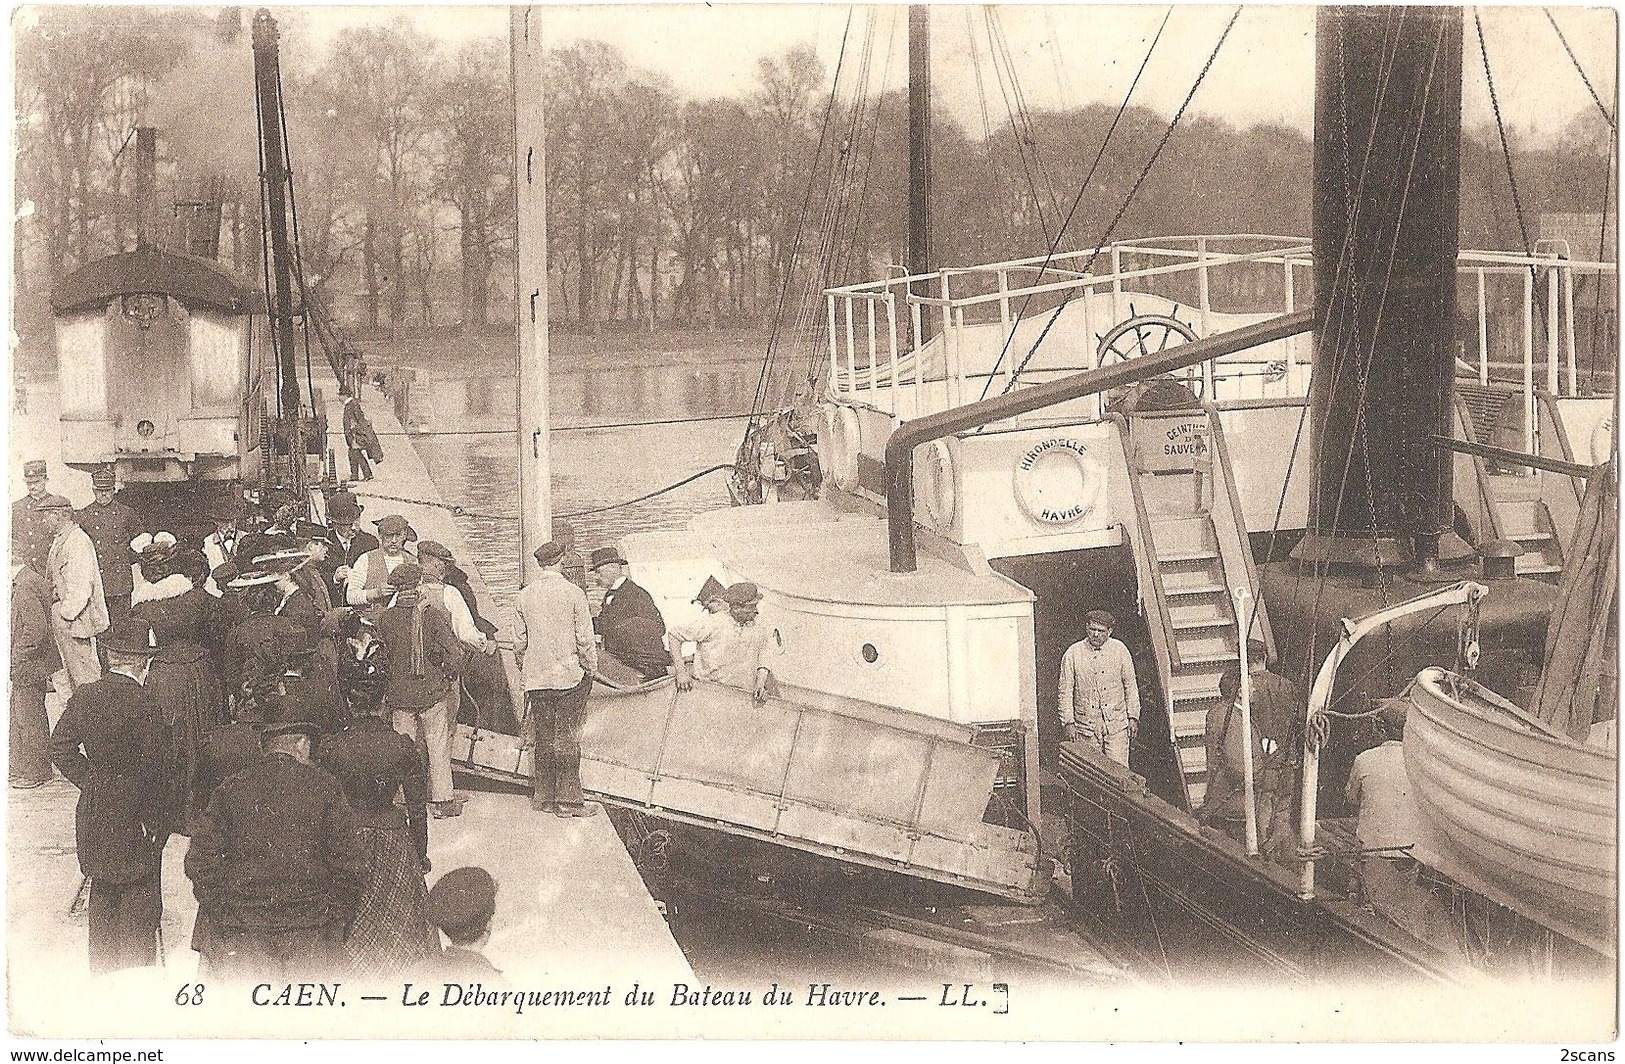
[{"x": 192, "y": 281}]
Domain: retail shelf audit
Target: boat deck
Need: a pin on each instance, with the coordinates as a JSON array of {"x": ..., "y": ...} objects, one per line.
[{"x": 811, "y": 551}]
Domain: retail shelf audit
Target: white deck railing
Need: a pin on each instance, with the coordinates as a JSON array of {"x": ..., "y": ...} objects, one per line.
[{"x": 984, "y": 319}]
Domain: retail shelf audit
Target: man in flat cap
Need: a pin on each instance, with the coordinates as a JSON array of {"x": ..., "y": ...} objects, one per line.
[
  {"x": 557, "y": 657},
  {"x": 424, "y": 656},
  {"x": 482, "y": 670},
  {"x": 276, "y": 862},
  {"x": 730, "y": 648},
  {"x": 461, "y": 904},
  {"x": 1099, "y": 698},
  {"x": 634, "y": 632},
  {"x": 112, "y": 743},
  {"x": 111, "y": 526},
  {"x": 79, "y": 613},
  {"x": 367, "y": 583},
  {"x": 31, "y": 540}
]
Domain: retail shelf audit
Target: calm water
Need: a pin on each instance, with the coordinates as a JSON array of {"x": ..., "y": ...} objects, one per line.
[{"x": 592, "y": 467}]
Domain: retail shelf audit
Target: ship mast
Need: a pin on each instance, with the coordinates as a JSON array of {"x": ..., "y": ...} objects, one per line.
[
  {"x": 527, "y": 69},
  {"x": 920, "y": 258},
  {"x": 274, "y": 179}
]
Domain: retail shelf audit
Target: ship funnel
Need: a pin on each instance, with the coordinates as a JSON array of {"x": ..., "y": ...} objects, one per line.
[{"x": 1386, "y": 234}]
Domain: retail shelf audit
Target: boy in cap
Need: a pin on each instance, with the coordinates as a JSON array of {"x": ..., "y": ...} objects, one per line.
[
  {"x": 461, "y": 905},
  {"x": 367, "y": 582},
  {"x": 276, "y": 862},
  {"x": 79, "y": 613},
  {"x": 553, "y": 643},
  {"x": 31, "y": 540},
  {"x": 112, "y": 743},
  {"x": 111, "y": 526},
  {"x": 729, "y": 648}
]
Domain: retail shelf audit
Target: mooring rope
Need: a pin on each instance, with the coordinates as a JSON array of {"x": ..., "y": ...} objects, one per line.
[{"x": 462, "y": 511}]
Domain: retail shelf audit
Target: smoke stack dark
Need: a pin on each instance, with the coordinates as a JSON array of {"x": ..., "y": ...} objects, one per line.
[{"x": 1386, "y": 235}]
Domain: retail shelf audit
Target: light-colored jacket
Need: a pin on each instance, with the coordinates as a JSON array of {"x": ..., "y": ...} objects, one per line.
[
  {"x": 1098, "y": 688},
  {"x": 552, "y": 634},
  {"x": 372, "y": 570},
  {"x": 76, "y": 582}
]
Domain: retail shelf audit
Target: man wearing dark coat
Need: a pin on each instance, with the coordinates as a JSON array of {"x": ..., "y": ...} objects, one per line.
[
  {"x": 111, "y": 743},
  {"x": 111, "y": 526},
  {"x": 33, "y": 660},
  {"x": 629, "y": 621},
  {"x": 346, "y": 543},
  {"x": 31, "y": 539},
  {"x": 276, "y": 863}
]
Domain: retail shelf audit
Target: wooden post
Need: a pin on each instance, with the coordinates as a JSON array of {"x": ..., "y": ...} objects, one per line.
[{"x": 526, "y": 68}]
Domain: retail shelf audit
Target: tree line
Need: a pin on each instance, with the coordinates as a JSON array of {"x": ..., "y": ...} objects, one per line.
[{"x": 661, "y": 209}]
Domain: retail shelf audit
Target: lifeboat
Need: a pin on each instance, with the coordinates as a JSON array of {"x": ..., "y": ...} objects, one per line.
[{"x": 1514, "y": 810}]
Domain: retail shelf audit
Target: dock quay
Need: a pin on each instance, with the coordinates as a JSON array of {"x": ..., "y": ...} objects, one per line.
[{"x": 572, "y": 912}]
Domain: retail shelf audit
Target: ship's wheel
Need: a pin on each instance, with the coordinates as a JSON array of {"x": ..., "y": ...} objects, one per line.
[{"x": 1147, "y": 334}]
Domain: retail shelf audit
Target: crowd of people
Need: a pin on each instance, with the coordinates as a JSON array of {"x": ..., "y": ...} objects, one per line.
[
  {"x": 286, "y": 694},
  {"x": 258, "y": 693}
]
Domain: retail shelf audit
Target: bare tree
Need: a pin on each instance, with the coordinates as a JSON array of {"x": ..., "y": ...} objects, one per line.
[{"x": 472, "y": 169}]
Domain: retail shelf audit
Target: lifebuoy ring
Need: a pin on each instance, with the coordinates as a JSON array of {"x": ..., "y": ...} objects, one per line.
[
  {"x": 934, "y": 484},
  {"x": 1602, "y": 440},
  {"x": 842, "y": 440},
  {"x": 1058, "y": 481}
]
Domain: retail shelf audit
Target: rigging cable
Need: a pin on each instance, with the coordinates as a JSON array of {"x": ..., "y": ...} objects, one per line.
[
  {"x": 1606, "y": 117},
  {"x": 1500, "y": 129},
  {"x": 1121, "y": 210},
  {"x": 1083, "y": 186},
  {"x": 788, "y": 265},
  {"x": 995, "y": 167},
  {"x": 1023, "y": 109},
  {"x": 1019, "y": 134}
]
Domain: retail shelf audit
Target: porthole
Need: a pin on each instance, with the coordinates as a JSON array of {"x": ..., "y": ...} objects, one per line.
[{"x": 870, "y": 653}]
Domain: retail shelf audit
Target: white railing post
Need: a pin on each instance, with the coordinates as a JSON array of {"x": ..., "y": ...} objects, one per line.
[
  {"x": 834, "y": 352},
  {"x": 1291, "y": 302},
  {"x": 1117, "y": 283},
  {"x": 874, "y": 376},
  {"x": 953, "y": 382},
  {"x": 891, "y": 333},
  {"x": 1005, "y": 329},
  {"x": 1483, "y": 332},
  {"x": 1551, "y": 329},
  {"x": 1529, "y": 361},
  {"x": 1206, "y": 307},
  {"x": 1568, "y": 328},
  {"x": 1249, "y": 801},
  {"x": 852, "y": 351}
]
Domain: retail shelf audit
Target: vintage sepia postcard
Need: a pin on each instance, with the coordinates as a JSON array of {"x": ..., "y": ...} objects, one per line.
[{"x": 721, "y": 521}]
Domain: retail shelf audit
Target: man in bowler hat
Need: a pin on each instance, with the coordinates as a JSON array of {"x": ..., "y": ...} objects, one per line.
[
  {"x": 557, "y": 656},
  {"x": 112, "y": 744},
  {"x": 634, "y": 632}
]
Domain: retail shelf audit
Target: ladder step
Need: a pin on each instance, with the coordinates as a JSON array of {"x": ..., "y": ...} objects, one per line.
[
  {"x": 1534, "y": 537},
  {"x": 1196, "y": 589},
  {"x": 1199, "y": 625},
  {"x": 1193, "y": 660},
  {"x": 1175, "y": 557},
  {"x": 1538, "y": 570}
]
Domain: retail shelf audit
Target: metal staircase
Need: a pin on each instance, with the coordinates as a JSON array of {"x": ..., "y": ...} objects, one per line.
[
  {"x": 1506, "y": 503},
  {"x": 1192, "y": 554}
]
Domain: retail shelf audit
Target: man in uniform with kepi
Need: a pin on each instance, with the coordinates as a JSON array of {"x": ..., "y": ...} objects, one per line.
[
  {"x": 30, "y": 539},
  {"x": 78, "y": 612},
  {"x": 553, "y": 642},
  {"x": 1099, "y": 697},
  {"x": 111, "y": 526},
  {"x": 112, "y": 743}
]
